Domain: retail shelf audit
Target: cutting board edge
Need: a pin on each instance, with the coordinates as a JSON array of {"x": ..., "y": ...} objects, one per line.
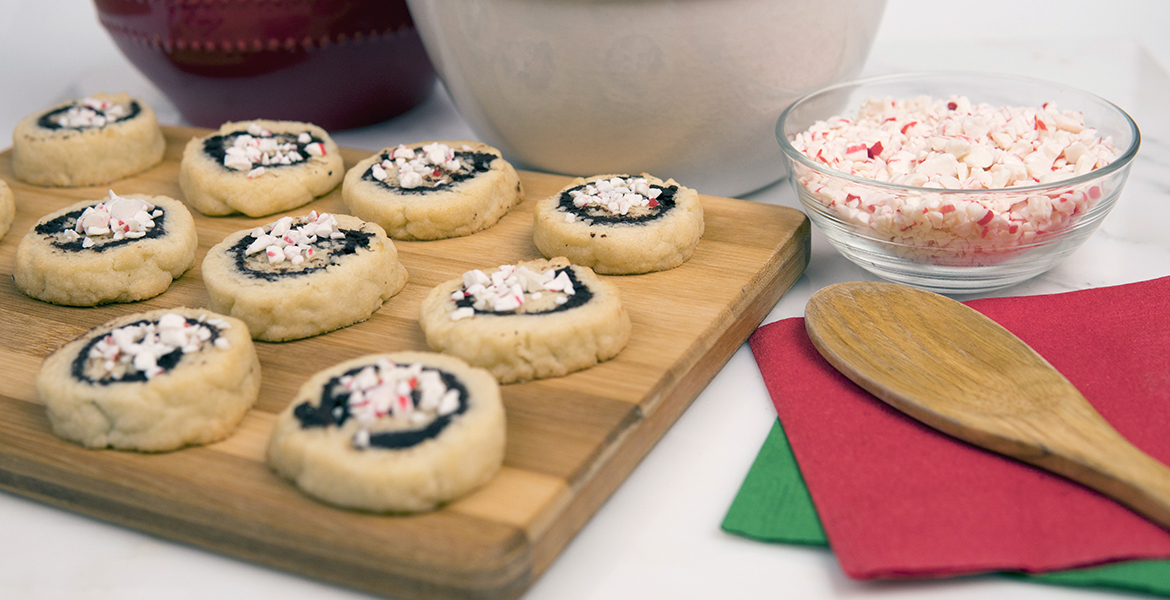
[
  {"x": 637, "y": 440},
  {"x": 506, "y": 578}
]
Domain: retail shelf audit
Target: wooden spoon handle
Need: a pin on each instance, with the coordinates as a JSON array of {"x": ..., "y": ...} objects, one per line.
[{"x": 1105, "y": 461}]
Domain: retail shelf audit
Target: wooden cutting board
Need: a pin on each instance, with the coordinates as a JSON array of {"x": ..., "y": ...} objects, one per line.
[{"x": 571, "y": 441}]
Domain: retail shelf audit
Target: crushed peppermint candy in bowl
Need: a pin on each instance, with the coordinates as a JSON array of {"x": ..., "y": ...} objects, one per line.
[{"x": 956, "y": 182}]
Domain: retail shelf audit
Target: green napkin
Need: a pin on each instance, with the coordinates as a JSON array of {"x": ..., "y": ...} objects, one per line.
[{"x": 773, "y": 505}]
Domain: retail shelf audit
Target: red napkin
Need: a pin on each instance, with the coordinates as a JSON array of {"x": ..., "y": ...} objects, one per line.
[{"x": 899, "y": 499}]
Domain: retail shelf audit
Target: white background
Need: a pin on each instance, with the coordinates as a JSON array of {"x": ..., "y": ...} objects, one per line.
[{"x": 658, "y": 536}]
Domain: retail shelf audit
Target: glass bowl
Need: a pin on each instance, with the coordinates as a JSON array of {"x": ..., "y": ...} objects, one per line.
[{"x": 976, "y": 240}]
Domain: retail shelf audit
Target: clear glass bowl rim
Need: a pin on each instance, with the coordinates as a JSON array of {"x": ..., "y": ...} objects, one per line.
[{"x": 793, "y": 154}]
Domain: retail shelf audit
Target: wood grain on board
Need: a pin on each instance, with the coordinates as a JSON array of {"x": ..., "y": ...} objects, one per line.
[{"x": 571, "y": 441}]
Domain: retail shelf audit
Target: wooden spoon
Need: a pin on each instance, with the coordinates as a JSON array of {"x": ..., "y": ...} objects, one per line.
[{"x": 958, "y": 371}]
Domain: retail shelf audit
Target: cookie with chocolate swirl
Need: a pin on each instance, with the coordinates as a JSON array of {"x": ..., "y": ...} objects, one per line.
[
  {"x": 259, "y": 168},
  {"x": 121, "y": 248},
  {"x": 620, "y": 225},
  {"x": 531, "y": 320},
  {"x": 433, "y": 190},
  {"x": 298, "y": 277},
  {"x": 7, "y": 208},
  {"x": 91, "y": 141},
  {"x": 403, "y": 432},
  {"x": 152, "y": 381}
]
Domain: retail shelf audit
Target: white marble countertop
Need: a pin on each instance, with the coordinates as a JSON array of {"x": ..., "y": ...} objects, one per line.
[{"x": 658, "y": 536}]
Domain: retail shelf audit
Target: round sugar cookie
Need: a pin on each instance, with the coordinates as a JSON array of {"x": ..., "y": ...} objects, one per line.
[
  {"x": 433, "y": 190},
  {"x": 532, "y": 320},
  {"x": 298, "y": 277},
  {"x": 401, "y": 432},
  {"x": 7, "y": 208},
  {"x": 259, "y": 168},
  {"x": 91, "y": 141},
  {"x": 117, "y": 249},
  {"x": 620, "y": 225},
  {"x": 152, "y": 381}
]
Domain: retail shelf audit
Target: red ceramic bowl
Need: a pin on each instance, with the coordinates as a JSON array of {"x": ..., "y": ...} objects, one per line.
[{"x": 336, "y": 63}]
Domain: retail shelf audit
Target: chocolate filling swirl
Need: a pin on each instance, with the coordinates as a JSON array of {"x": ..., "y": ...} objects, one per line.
[
  {"x": 216, "y": 146},
  {"x": 48, "y": 120},
  {"x": 582, "y": 294},
  {"x": 167, "y": 361},
  {"x": 54, "y": 227},
  {"x": 333, "y": 249}
]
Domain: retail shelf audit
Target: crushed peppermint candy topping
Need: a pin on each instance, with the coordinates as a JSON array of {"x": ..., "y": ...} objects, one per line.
[
  {"x": 292, "y": 239},
  {"x": 508, "y": 288},
  {"x": 389, "y": 390},
  {"x": 137, "y": 348},
  {"x": 114, "y": 219},
  {"x": 430, "y": 166},
  {"x": 259, "y": 148},
  {"x": 954, "y": 144},
  {"x": 615, "y": 196},
  {"x": 90, "y": 112},
  {"x": 950, "y": 146}
]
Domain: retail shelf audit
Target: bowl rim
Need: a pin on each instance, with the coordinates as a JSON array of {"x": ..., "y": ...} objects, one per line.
[{"x": 1117, "y": 164}]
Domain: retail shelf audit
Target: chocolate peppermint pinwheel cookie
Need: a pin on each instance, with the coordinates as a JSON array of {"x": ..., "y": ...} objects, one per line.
[
  {"x": 118, "y": 249},
  {"x": 152, "y": 381},
  {"x": 85, "y": 142},
  {"x": 398, "y": 432},
  {"x": 433, "y": 190},
  {"x": 259, "y": 168},
  {"x": 299, "y": 277},
  {"x": 532, "y": 320},
  {"x": 620, "y": 225},
  {"x": 7, "y": 208}
]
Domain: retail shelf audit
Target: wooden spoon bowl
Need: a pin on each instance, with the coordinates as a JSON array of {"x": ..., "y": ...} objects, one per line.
[{"x": 958, "y": 371}]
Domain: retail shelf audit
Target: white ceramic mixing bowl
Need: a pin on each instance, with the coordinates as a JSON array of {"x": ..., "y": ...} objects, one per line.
[{"x": 689, "y": 89}]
